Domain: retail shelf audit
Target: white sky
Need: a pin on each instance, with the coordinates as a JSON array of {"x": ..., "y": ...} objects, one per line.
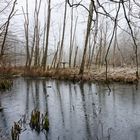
[{"x": 56, "y": 20}]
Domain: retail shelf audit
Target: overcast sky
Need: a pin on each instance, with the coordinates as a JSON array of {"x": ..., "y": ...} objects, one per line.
[{"x": 56, "y": 20}]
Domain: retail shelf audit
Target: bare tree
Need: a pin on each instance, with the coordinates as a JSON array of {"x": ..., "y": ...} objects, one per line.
[
  {"x": 37, "y": 31},
  {"x": 26, "y": 28},
  {"x": 75, "y": 57},
  {"x": 71, "y": 32},
  {"x": 63, "y": 36},
  {"x": 7, "y": 27},
  {"x": 44, "y": 59},
  {"x": 132, "y": 35},
  {"x": 87, "y": 37},
  {"x": 53, "y": 65}
]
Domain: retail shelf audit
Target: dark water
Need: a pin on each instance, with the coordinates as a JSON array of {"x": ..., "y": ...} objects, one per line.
[{"x": 76, "y": 111}]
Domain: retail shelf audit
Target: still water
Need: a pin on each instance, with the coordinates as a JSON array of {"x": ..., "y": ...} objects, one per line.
[{"x": 76, "y": 111}]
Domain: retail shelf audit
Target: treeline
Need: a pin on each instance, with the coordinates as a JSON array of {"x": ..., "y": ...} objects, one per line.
[{"x": 111, "y": 33}]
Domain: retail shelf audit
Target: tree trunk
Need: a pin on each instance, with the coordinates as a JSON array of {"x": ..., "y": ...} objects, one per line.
[
  {"x": 44, "y": 59},
  {"x": 81, "y": 71},
  {"x": 37, "y": 29},
  {"x": 63, "y": 36},
  {"x": 6, "y": 29},
  {"x": 71, "y": 32},
  {"x": 26, "y": 28},
  {"x": 53, "y": 65},
  {"x": 75, "y": 57}
]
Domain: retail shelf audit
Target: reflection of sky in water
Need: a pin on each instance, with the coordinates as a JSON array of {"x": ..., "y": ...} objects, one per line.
[{"x": 76, "y": 111}]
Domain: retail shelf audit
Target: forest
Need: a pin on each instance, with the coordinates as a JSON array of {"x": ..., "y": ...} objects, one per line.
[
  {"x": 74, "y": 46},
  {"x": 108, "y": 45}
]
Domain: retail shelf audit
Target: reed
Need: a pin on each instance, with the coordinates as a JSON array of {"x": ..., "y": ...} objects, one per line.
[{"x": 5, "y": 84}]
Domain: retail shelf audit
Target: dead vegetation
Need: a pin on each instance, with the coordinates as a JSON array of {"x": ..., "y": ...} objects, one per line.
[
  {"x": 15, "y": 131},
  {"x": 8, "y": 72},
  {"x": 38, "y": 122},
  {"x": 119, "y": 74},
  {"x": 5, "y": 84}
]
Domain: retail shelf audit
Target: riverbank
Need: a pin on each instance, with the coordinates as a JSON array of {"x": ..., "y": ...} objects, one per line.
[{"x": 117, "y": 74}]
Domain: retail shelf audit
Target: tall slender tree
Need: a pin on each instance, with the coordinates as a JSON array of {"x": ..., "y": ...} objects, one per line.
[
  {"x": 45, "y": 57},
  {"x": 37, "y": 31},
  {"x": 89, "y": 23},
  {"x": 7, "y": 28},
  {"x": 63, "y": 36},
  {"x": 71, "y": 33},
  {"x": 26, "y": 30}
]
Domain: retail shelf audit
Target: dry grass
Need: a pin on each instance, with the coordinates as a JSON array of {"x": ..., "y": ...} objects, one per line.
[
  {"x": 126, "y": 75},
  {"x": 117, "y": 74}
]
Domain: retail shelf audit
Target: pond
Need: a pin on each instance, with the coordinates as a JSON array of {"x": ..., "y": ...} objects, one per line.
[{"x": 76, "y": 111}]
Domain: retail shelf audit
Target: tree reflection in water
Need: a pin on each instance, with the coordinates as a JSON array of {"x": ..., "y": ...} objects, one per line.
[{"x": 75, "y": 111}]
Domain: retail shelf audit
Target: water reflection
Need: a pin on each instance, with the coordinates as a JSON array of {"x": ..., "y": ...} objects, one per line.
[{"x": 76, "y": 111}]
